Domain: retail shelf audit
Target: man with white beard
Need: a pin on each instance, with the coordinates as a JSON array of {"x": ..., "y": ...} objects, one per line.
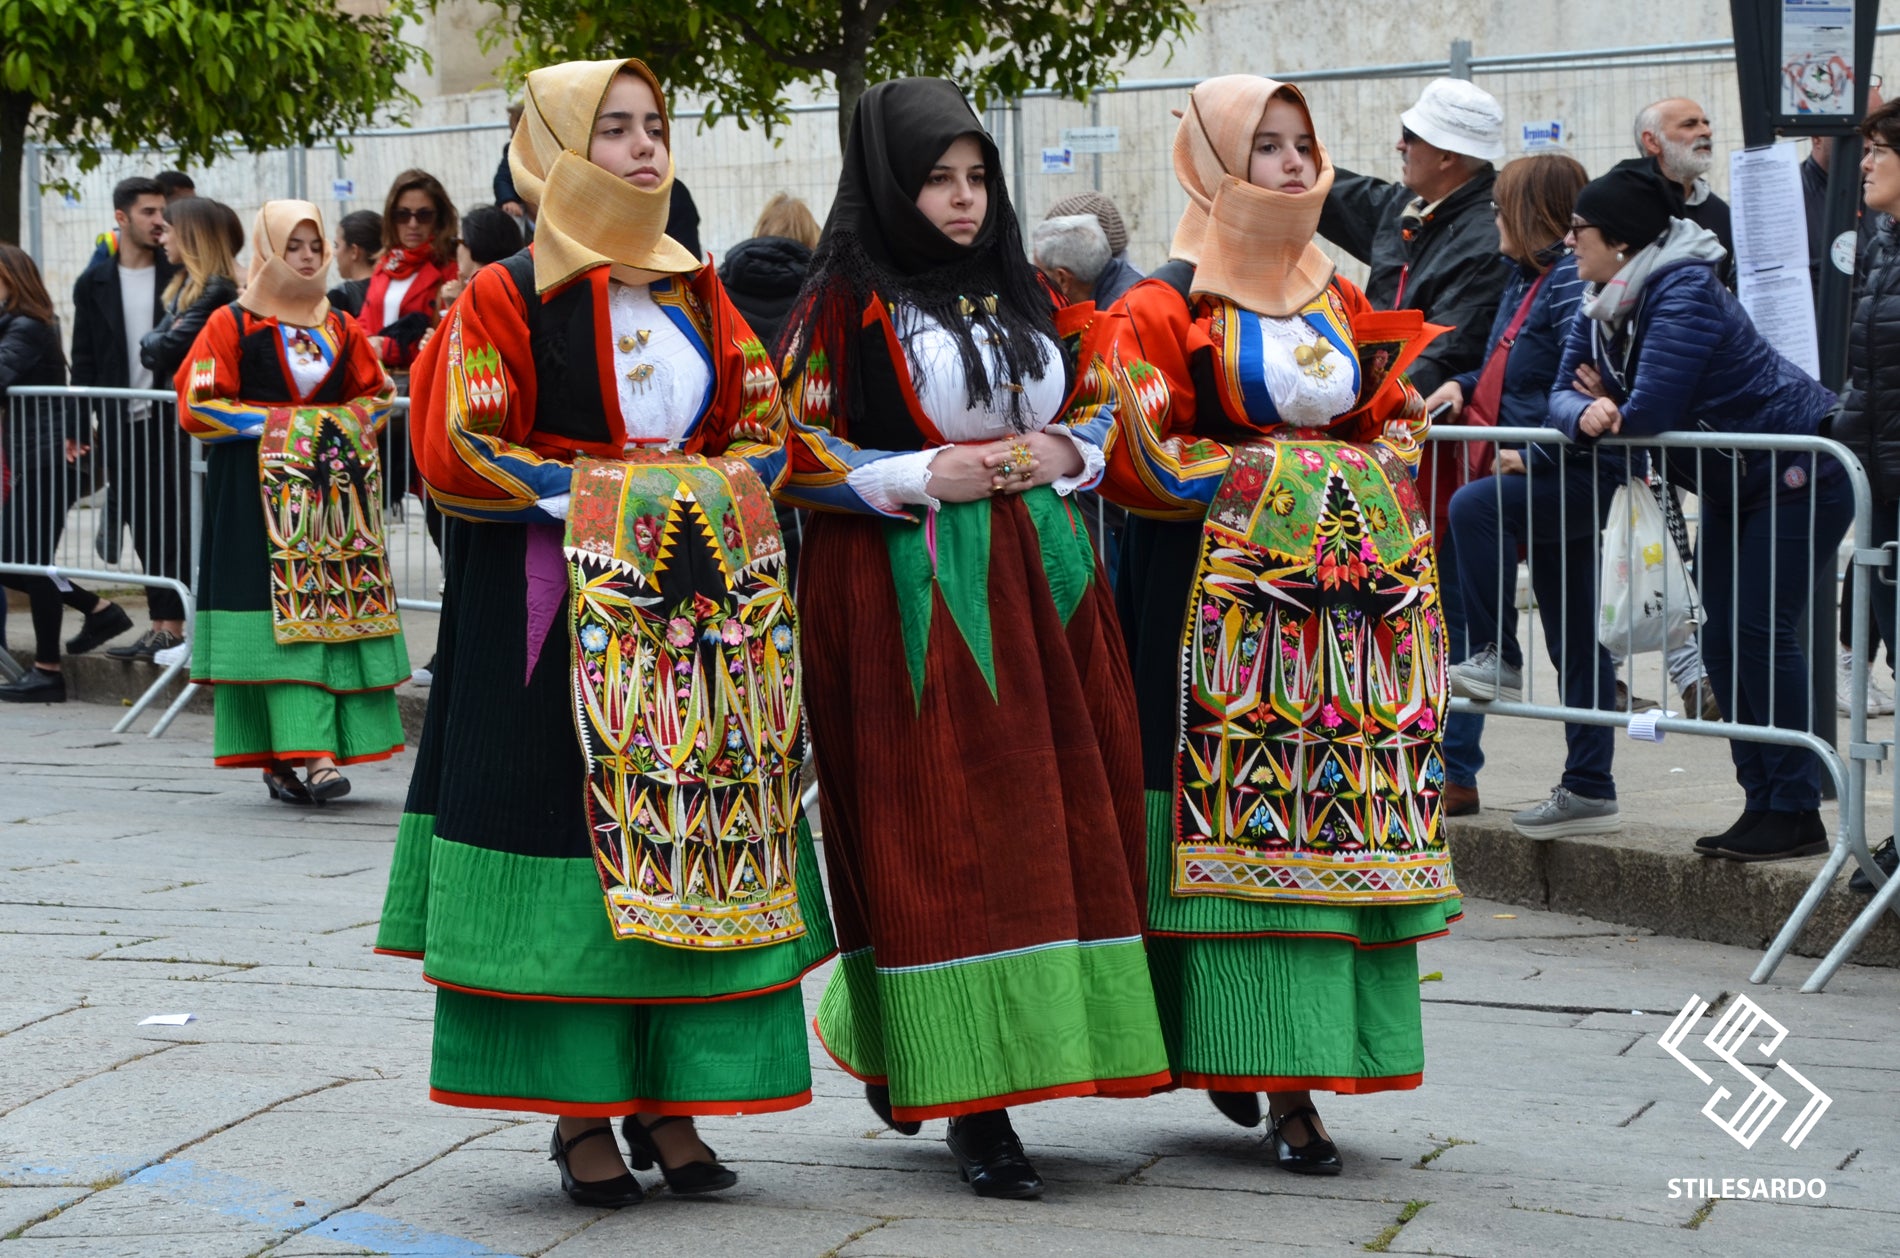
[{"x": 1677, "y": 135}]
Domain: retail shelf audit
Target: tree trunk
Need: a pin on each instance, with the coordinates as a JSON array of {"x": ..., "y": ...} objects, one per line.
[
  {"x": 850, "y": 87},
  {"x": 14, "y": 109}
]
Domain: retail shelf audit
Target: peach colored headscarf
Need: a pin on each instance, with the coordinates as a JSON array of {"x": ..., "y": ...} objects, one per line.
[
  {"x": 1251, "y": 245},
  {"x": 272, "y": 290}
]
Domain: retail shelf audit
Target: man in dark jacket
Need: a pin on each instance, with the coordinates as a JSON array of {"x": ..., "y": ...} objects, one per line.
[
  {"x": 1432, "y": 243},
  {"x": 1677, "y": 135},
  {"x": 1430, "y": 239},
  {"x": 116, "y": 301}
]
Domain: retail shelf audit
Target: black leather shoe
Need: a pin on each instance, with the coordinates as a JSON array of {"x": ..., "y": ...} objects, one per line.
[
  {"x": 606, "y": 1194},
  {"x": 694, "y": 1177},
  {"x": 38, "y": 686},
  {"x": 1886, "y": 858},
  {"x": 148, "y": 644},
  {"x": 1241, "y": 1107},
  {"x": 99, "y": 627},
  {"x": 326, "y": 785},
  {"x": 1317, "y": 1156},
  {"x": 878, "y": 1097},
  {"x": 281, "y": 781},
  {"x": 991, "y": 1158},
  {"x": 1779, "y": 836},
  {"x": 1743, "y": 824}
]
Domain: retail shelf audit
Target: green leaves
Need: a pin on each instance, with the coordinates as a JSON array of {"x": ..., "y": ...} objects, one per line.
[
  {"x": 202, "y": 78},
  {"x": 743, "y": 56}
]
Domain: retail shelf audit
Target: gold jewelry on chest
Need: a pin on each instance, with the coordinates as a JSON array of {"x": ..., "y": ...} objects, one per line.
[{"x": 640, "y": 375}]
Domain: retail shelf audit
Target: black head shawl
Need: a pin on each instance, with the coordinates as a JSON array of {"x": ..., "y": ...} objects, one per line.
[{"x": 877, "y": 243}]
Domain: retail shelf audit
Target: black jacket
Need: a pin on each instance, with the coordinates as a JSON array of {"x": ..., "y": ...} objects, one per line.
[
  {"x": 762, "y": 275},
  {"x": 164, "y": 348},
  {"x": 682, "y": 220},
  {"x": 348, "y": 297},
  {"x": 29, "y": 354},
  {"x": 1449, "y": 267},
  {"x": 99, "y": 357},
  {"x": 1868, "y": 422}
]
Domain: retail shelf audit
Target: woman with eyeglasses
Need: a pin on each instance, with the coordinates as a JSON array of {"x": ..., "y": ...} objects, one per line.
[
  {"x": 1869, "y": 419},
  {"x": 1663, "y": 346},
  {"x": 419, "y": 231}
]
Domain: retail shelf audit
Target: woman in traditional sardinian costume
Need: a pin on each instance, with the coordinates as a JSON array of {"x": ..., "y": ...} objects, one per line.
[
  {"x": 297, "y": 627},
  {"x": 970, "y": 703},
  {"x": 603, "y": 866},
  {"x": 1282, "y": 617}
]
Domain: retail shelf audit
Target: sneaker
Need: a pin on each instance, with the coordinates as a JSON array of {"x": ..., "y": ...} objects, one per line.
[
  {"x": 1885, "y": 857},
  {"x": 99, "y": 627},
  {"x": 1879, "y": 702},
  {"x": 180, "y": 654},
  {"x": 1566, "y": 813},
  {"x": 150, "y": 643},
  {"x": 421, "y": 678},
  {"x": 1698, "y": 701},
  {"x": 1485, "y": 676}
]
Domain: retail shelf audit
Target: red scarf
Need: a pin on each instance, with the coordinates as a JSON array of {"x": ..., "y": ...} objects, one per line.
[{"x": 400, "y": 264}]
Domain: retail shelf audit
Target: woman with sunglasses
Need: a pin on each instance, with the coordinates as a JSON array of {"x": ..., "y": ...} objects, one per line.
[
  {"x": 419, "y": 231},
  {"x": 1662, "y": 346}
]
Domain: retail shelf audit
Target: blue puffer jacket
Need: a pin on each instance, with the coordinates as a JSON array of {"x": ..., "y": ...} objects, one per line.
[{"x": 1699, "y": 365}]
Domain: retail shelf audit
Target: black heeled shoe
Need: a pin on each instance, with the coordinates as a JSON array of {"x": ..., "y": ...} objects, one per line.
[
  {"x": 878, "y": 1097},
  {"x": 606, "y": 1194},
  {"x": 327, "y": 784},
  {"x": 694, "y": 1177},
  {"x": 1240, "y": 1107},
  {"x": 1318, "y": 1156},
  {"x": 991, "y": 1158},
  {"x": 281, "y": 781}
]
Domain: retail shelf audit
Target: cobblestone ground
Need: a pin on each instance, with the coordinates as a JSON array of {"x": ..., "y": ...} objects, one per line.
[{"x": 290, "y": 1116}]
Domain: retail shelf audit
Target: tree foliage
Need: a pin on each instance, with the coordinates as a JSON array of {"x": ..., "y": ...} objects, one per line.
[
  {"x": 200, "y": 78},
  {"x": 742, "y": 55}
]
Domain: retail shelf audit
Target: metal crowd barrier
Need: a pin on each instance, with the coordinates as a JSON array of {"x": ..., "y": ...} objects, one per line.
[
  {"x": 1706, "y": 459},
  {"x": 106, "y": 491}
]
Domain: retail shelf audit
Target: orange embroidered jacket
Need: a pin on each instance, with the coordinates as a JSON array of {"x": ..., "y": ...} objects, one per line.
[
  {"x": 1195, "y": 388},
  {"x": 224, "y": 396},
  {"x": 513, "y": 386}
]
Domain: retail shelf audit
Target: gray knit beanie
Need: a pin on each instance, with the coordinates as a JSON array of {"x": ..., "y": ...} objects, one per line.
[{"x": 1105, "y": 213}]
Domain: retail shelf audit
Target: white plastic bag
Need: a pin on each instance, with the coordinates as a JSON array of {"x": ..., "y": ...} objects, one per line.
[{"x": 1649, "y": 602}]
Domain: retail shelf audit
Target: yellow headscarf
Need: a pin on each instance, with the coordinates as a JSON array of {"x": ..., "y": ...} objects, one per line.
[
  {"x": 272, "y": 289},
  {"x": 586, "y": 217},
  {"x": 1251, "y": 245}
]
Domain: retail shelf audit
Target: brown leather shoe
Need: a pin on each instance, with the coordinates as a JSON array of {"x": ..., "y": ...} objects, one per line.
[
  {"x": 1698, "y": 700},
  {"x": 1460, "y": 801}
]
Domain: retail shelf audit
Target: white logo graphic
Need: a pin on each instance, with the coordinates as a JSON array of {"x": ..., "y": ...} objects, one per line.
[{"x": 1731, "y": 1035}]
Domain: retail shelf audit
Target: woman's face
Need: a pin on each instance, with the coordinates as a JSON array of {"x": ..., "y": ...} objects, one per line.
[
  {"x": 1283, "y": 149},
  {"x": 168, "y": 240},
  {"x": 1506, "y": 245},
  {"x": 304, "y": 250},
  {"x": 956, "y": 196},
  {"x": 1880, "y": 177},
  {"x": 629, "y": 139},
  {"x": 465, "y": 267},
  {"x": 415, "y": 218},
  {"x": 1598, "y": 259}
]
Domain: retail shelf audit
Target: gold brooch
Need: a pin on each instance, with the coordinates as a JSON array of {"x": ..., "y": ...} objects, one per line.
[
  {"x": 637, "y": 341},
  {"x": 640, "y": 376}
]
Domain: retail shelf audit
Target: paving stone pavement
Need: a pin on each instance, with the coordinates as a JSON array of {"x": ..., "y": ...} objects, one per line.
[{"x": 291, "y": 1118}]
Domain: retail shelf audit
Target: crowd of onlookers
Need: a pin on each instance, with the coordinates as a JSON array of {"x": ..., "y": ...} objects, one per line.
[{"x": 1589, "y": 307}]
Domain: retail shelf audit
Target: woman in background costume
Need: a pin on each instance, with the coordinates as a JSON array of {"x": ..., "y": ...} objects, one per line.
[
  {"x": 297, "y": 627},
  {"x": 970, "y": 701},
  {"x": 602, "y": 863},
  {"x": 1283, "y": 623}
]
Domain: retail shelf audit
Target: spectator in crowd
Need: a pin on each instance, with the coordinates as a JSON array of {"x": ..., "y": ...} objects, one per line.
[
  {"x": 202, "y": 239},
  {"x": 764, "y": 272},
  {"x": 506, "y": 198},
  {"x": 37, "y": 486},
  {"x": 488, "y": 235},
  {"x": 682, "y": 220},
  {"x": 178, "y": 185},
  {"x": 419, "y": 230},
  {"x": 116, "y": 301},
  {"x": 1549, "y": 500},
  {"x": 1869, "y": 419},
  {"x": 358, "y": 246},
  {"x": 1072, "y": 252},
  {"x": 1432, "y": 244},
  {"x": 1119, "y": 275},
  {"x": 302, "y": 667},
  {"x": 1677, "y": 136},
  {"x": 1671, "y": 348}
]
